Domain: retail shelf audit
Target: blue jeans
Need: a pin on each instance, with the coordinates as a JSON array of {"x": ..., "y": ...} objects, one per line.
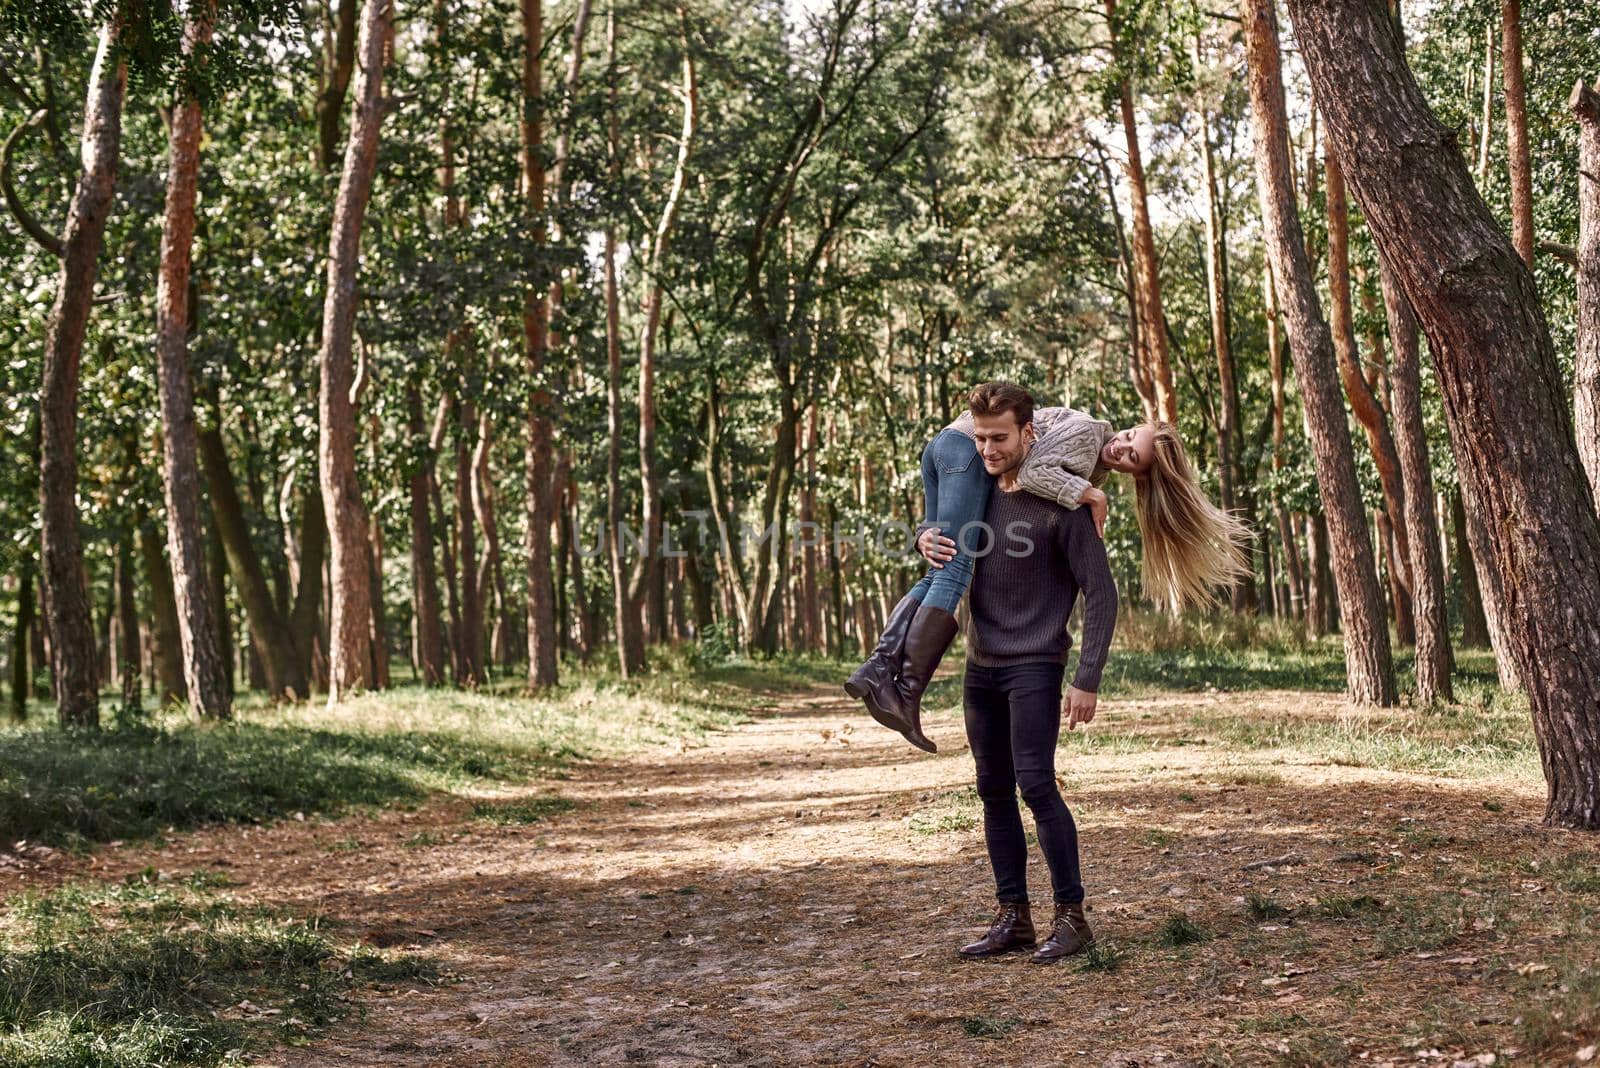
[
  {"x": 1013, "y": 719},
  {"x": 956, "y": 488}
]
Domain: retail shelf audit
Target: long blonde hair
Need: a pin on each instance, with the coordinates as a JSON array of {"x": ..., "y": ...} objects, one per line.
[{"x": 1191, "y": 547}]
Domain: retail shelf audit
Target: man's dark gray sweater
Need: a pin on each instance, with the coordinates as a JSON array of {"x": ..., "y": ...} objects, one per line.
[{"x": 1040, "y": 557}]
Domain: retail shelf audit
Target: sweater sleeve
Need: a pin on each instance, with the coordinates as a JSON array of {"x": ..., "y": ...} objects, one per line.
[
  {"x": 1060, "y": 464},
  {"x": 1086, "y": 557}
]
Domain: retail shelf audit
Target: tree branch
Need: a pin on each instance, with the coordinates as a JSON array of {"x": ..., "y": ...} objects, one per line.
[{"x": 44, "y": 238}]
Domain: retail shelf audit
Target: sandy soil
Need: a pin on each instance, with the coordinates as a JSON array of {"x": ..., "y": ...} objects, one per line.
[{"x": 767, "y": 898}]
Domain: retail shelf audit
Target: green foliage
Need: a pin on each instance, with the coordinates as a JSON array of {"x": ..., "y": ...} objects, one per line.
[
  {"x": 1263, "y": 907},
  {"x": 1178, "y": 930},
  {"x": 523, "y": 810}
]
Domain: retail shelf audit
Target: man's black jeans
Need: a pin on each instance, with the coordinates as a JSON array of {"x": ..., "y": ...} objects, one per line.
[{"x": 1013, "y": 719}]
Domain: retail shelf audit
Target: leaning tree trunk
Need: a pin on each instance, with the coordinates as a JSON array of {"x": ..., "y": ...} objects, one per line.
[
  {"x": 66, "y": 598},
  {"x": 1478, "y": 304},
  {"x": 270, "y": 635},
  {"x": 350, "y": 639},
  {"x": 1585, "y": 104},
  {"x": 203, "y": 670},
  {"x": 1363, "y": 401},
  {"x": 1433, "y": 660},
  {"x": 1369, "y": 667},
  {"x": 1517, "y": 129},
  {"x": 541, "y": 612},
  {"x": 1474, "y": 625}
]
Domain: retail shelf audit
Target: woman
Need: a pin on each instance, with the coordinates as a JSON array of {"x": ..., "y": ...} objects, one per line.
[{"x": 1191, "y": 547}]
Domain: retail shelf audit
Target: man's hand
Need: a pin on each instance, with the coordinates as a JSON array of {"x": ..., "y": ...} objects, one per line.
[
  {"x": 1095, "y": 500},
  {"x": 936, "y": 548},
  {"x": 1077, "y": 707}
]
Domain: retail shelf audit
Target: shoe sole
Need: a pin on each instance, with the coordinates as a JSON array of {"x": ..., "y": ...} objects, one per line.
[{"x": 998, "y": 952}]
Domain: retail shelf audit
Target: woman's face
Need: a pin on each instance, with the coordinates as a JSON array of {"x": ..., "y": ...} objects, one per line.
[{"x": 1130, "y": 451}]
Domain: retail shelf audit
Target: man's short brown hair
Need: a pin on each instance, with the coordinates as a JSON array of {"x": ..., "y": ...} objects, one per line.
[{"x": 996, "y": 398}]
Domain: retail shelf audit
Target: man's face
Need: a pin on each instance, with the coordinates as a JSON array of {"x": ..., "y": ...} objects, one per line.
[{"x": 1001, "y": 442}]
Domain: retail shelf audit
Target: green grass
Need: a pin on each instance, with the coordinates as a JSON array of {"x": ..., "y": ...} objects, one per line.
[
  {"x": 954, "y": 810},
  {"x": 1178, "y": 930},
  {"x": 988, "y": 1026},
  {"x": 1264, "y": 907},
  {"x": 134, "y": 781},
  {"x": 523, "y": 810},
  {"x": 154, "y": 970},
  {"x": 1347, "y": 906},
  {"x": 1102, "y": 956}
]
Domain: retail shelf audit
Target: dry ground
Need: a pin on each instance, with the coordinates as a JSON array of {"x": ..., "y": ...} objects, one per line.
[{"x": 792, "y": 892}]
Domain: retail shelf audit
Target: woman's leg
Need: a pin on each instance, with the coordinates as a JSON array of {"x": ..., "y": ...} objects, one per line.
[{"x": 960, "y": 496}]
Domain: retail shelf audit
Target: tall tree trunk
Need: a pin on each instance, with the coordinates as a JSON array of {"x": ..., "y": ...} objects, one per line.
[
  {"x": 1585, "y": 105},
  {"x": 1289, "y": 550},
  {"x": 630, "y": 643},
  {"x": 452, "y": 637},
  {"x": 469, "y": 637},
  {"x": 304, "y": 618},
  {"x": 221, "y": 619},
  {"x": 1433, "y": 659},
  {"x": 1474, "y": 625},
  {"x": 1369, "y": 667},
  {"x": 338, "y": 61},
  {"x": 424, "y": 573},
  {"x": 350, "y": 639},
  {"x": 1477, "y": 302},
  {"x": 66, "y": 598},
  {"x": 21, "y": 664},
  {"x": 1163, "y": 404},
  {"x": 164, "y": 615},
  {"x": 490, "y": 578},
  {"x": 541, "y": 618},
  {"x": 269, "y": 632},
  {"x": 1517, "y": 129},
  {"x": 1488, "y": 103},
  {"x": 1363, "y": 401},
  {"x": 650, "y": 575},
  {"x": 203, "y": 669}
]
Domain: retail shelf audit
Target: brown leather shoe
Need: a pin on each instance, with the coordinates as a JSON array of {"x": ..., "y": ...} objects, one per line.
[
  {"x": 1069, "y": 934},
  {"x": 1012, "y": 929},
  {"x": 929, "y": 635},
  {"x": 873, "y": 681}
]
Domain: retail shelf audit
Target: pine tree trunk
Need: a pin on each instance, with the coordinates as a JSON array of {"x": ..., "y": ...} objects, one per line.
[
  {"x": 204, "y": 672},
  {"x": 541, "y": 620},
  {"x": 66, "y": 598},
  {"x": 1293, "y": 573},
  {"x": 469, "y": 637},
  {"x": 269, "y": 632},
  {"x": 1369, "y": 667},
  {"x": 1474, "y": 624},
  {"x": 21, "y": 663},
  {"x": 350, "y": 638},
  {"x": 1363, "y": 402},
  {"x": 1477, "y": 302},
  {"x": 1156, "y": 353},
  {"x": 222, "y": 619},
  {"x": 1517, "y": 129},
  {"x": 164, "y": 616},
  {"x": 1433, "y": 659},
  {"x": 424, "y": 572},
  {"x": 1585, "y": 105}
]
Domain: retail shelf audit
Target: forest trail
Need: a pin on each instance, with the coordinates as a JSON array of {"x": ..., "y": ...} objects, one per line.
[{"x": 793, "y": 890}]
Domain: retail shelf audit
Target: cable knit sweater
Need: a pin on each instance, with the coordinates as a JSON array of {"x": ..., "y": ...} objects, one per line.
[{"x": 1065, "y": 457}]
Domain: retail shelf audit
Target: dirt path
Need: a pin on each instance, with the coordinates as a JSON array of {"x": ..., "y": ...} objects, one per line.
[{"x": 792, "y": 893}]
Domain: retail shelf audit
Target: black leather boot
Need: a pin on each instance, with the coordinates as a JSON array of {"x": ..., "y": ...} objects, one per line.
[
  {"x": 1012, "y": 929},
  {"x": 930, "y": 634},
  {"x": 874, "y": 679},
  {"x": 1069, "y": 934}
]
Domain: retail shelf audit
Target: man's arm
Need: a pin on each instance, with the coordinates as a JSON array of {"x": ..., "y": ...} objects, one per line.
[{"x": 1086, "y": 558}]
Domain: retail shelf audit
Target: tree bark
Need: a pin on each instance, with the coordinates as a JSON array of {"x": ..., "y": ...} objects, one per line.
[
  {"x": 541, "y": 618},
  {"x": 1517, "y": 129},
  {"x": 21, "y": 665},
  {"x": 338, "y": 61},
  {"x": 66, "y": 598},
  {"x": 350, "y": 639},
  {"x": 424, "y": 572},
  {"x": 650, "y": 574},
  {"x": 490, "y": 579},
  {"x": 1162, "y": 404},
  {"x": 221, "y": 619},
  {"x": 1474, "y": 625},
  {"x": 469, "y": 637},
  {"x": 204, "y": 672},
  {"x": 1289, "y": 551},
  {"x": 1433, "y": 658},
  {"x": 164, "y": 616},
  {"x": 1363, "y": 401},
  {"x": 1479, "y": 306},
  {"x": 270, "y": 635},
  {"x": 1369, "y": 668},
  {"x": 1585, "y": 105}
]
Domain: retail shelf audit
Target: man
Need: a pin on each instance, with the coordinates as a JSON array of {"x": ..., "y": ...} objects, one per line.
[{"x": 1040, "y": 557}]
